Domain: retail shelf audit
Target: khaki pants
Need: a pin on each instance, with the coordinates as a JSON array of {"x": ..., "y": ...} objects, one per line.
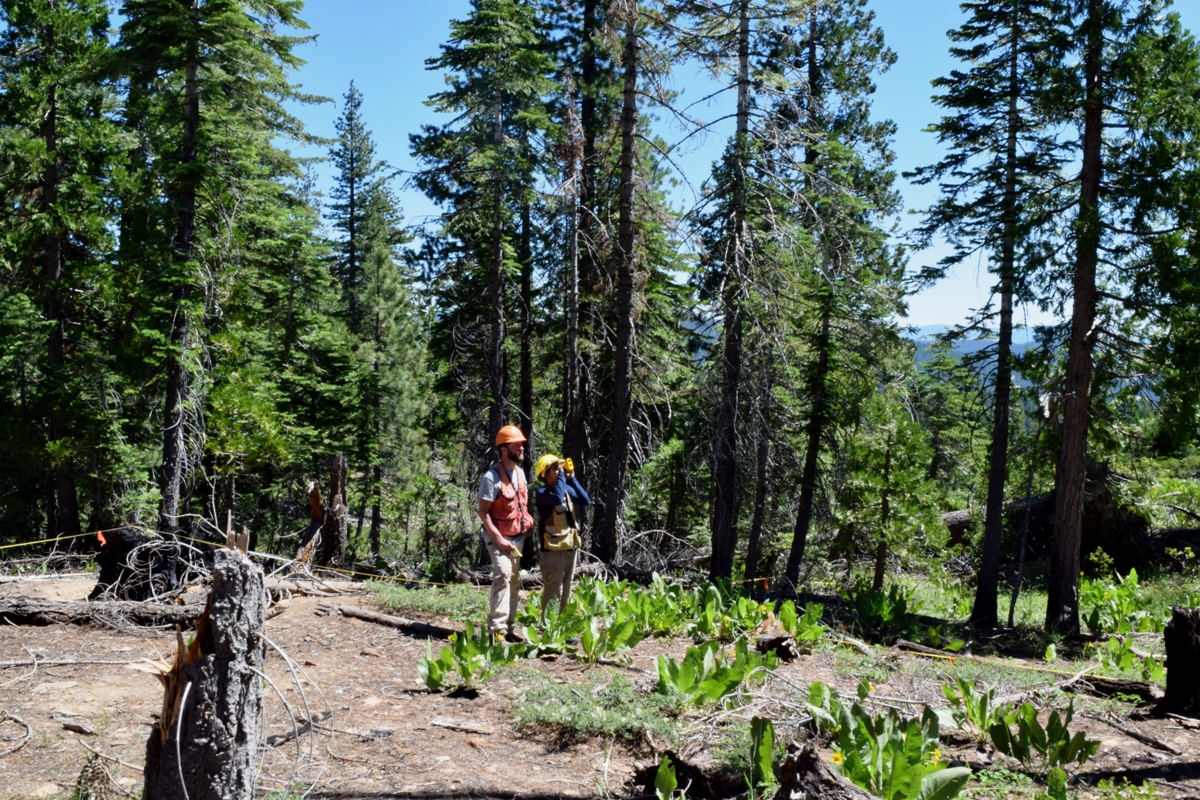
[
  {"x": 558, "y": 568},
  {"x": 506, "y": 586}
]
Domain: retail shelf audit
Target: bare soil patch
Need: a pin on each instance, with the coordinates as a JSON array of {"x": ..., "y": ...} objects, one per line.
[{"x": 390, "y": 738}]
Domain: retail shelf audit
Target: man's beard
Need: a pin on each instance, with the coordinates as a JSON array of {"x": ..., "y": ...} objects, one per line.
[{"x": 515, "y": 456}]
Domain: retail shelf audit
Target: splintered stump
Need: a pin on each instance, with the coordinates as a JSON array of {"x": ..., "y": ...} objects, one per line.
[
  {"x": 1182, "y": 640},
  {"x": 205, "y": 744}
]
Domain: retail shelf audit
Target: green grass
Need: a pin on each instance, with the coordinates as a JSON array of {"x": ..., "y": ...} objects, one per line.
[
  {"x": 606, "y": 704},
  {"x": 1001, "y": 784},
  {"x": 459, "y": 602}
]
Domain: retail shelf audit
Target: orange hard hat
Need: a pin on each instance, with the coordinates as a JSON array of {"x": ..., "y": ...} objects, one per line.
[{"x": 509, "y": 434}]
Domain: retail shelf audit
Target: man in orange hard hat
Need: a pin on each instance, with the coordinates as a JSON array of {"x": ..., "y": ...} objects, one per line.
[{"x": 504, "y": 512}]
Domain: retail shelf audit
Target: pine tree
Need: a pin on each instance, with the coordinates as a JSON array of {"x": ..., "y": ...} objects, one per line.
[
  {"x": 58, "y": 144},
  {"x": 216, "y": 80},
  {"x": 1003, "y": 158},
  {"x": 1129, "y": 76},
  {"x": 479, "y": 168},
  {"x": 359, "y": 179}
]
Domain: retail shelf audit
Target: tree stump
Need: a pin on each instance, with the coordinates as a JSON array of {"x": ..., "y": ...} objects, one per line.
[
  {"x": 805, "y": 777},
  {"x": 334, "y": 529},
  {"x": 1182, "y": 640},
  {"x": 205, "y": 744}
]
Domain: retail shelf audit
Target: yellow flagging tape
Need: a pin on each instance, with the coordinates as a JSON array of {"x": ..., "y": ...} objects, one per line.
[
  {"x": 148, "y": 531},
  {"x": 44, "y": 541},
  {"x": 993, "y": 662}
]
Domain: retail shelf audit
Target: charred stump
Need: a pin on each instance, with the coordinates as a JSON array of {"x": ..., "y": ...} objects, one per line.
[
  {"x": 134, "y": 566},
  {"x": 1182, "y": 640},
  {"x": 205, "y": 743}
]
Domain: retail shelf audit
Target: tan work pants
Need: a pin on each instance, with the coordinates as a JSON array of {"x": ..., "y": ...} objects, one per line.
[
  {"x": 506, "y": 587},
  {"x": 558, "y": 569}
]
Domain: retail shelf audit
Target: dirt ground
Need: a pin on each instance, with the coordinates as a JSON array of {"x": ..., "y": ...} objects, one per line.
[{"x": 389, "y": 738}]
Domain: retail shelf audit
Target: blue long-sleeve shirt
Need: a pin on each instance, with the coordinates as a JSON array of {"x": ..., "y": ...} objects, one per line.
[{"x": 551, "y": 497}]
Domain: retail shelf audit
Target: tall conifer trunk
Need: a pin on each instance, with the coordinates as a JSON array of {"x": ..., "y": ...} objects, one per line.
[
  {"x": 587, "y": 271},
  {"x": 572, "y": 398},
  {"x": 816, "y": 384},
  {"x": 818, "y": 390},
  {"x": 496, "y": 365},
  {"x": 762, "y": 476},
  {"x": 177, "y": 371},
  {"x": 605, "y": 543},
  {"x": 526, "y": 388},
  {"x": 984, "y": 611},
  {"x": 724, "y": 532},
  {"x": 1062, "y": 608},
  {"x": 62, "y": 507}
]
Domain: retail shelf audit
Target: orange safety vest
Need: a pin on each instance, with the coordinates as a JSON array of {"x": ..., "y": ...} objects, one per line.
[{"x": 510, "y": 509}]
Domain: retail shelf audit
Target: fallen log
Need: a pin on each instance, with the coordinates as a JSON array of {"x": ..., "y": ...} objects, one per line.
[
  {"x": 913, "y": 647},
  {"x": 420, "y": 630},
  {"x": 1144, "y": 738},
  {"x": 1107, "y": 687},
  {"x": 38, "y": 611},
  {"x": 805, "y": 776}
]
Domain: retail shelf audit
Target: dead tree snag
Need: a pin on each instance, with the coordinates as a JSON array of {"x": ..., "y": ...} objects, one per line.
[{"x": 205, "y": 744}]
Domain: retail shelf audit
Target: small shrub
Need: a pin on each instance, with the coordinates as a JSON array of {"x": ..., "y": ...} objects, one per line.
[
  {"x": 886, "y": 611},
  {"x": 467, "y": 662},
  {"x": 891, "y": 757},
  {"x": 806, "y": 628},
  {"x": 1049, "y": 747},
  {"x": 705, "y": 675},
  {"x": 973, "y": 711}
]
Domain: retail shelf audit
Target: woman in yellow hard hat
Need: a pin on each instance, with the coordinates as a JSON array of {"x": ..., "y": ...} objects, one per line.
[{"x": 557, "y": 499}]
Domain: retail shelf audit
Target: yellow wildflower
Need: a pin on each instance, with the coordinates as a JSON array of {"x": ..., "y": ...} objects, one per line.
[
  {"x": 837, "y": 757},
  {"x": 936, "y": 757}
]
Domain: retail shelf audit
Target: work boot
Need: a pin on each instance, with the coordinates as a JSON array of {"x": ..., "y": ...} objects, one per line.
[{"x": 515, "y": 636}]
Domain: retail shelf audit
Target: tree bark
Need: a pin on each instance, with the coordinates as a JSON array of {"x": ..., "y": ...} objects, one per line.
[
  {"x": 1062, "y": 607},
  {"x": 576, "y": 442},
  {"x": 178, "y": 342},
  {"x": 605, "y": 542},
  {"x": 724, "y": 531},
  {"x": 572, "y": 400},
  {"x": 335, "y": 524},
  {"x": 37, "y": 612},
  {"x": 205, "y": 744},
  {"x": 496, "y": 363},
  {"x": 526, "y": 388},
  {"x": 62, "y": 506},
  {"x": 984, "y": 611},
  {"x": 377, "y": 516},
  {"x": 761, "y": 479},
  {"x": 885, "y": 512},
  {"x": 817, "y": 419},
  {"x": 1182, "y": 640},
  {"x": 816, "y": 384}
]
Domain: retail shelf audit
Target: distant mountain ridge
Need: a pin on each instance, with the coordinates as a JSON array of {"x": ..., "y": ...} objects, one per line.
[{"x": 925, "y": 336}]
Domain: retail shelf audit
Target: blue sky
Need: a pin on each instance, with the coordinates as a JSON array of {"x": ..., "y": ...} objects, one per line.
[{"x": 382, "y": 45}]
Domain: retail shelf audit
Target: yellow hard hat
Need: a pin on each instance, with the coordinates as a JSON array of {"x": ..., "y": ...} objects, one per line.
[{"x": 544, "y": 463}]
